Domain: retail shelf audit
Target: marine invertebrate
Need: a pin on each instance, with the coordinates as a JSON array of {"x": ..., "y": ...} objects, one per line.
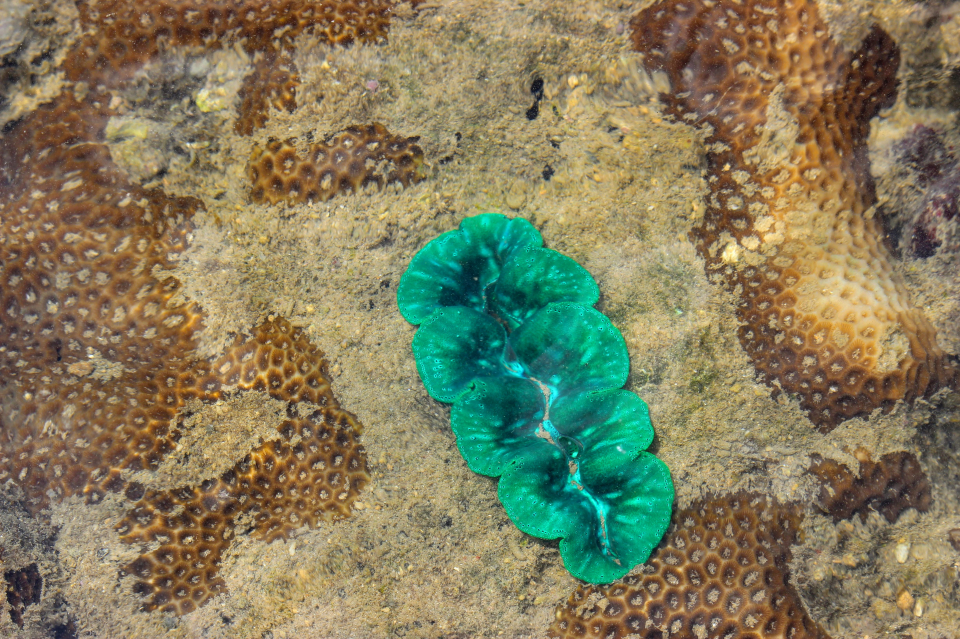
[
  {"x": 97, "y": 357},
  {"x": 123, "y": 35},
  {"x": 24, "y": 587},
  {"x": 507, "y": 334},
  {"x": 273, "y": 82},
  {"x": 79, "y": 309},
  {"x": 312, "y": 472},
  {"x": 722, "y": 572},
  {"x": 928, "y": 214},
  {"x": 355, "y": 158},
  {"x": 890, "y": 485},
  {"x": 789, "y": 221}
]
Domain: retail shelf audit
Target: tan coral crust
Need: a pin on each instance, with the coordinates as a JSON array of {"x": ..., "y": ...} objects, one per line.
[
  {"x": 721, "y": 571},
  {"x": 359, "y": 156},
  {"x": 891, "y": 485},
  {"x": 789, "y": 224},
  {"x": 97, "y": 359}
]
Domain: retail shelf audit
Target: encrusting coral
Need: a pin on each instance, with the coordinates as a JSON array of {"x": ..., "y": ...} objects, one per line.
[
  {"x": 124, "y": 34},
  {"x": 358, "y": 157},
  {"x": 789, "y": 224},
  {"x": 97, "y": 357},
  {"x": 722, "y": 571},
  {"x": 890, "y": 485},
  {"x": 273, "y": 82},
  {"x": 509, "y": 336}
]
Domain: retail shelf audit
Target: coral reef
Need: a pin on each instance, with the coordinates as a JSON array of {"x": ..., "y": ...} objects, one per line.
[
  {"x": 789, "y": 223},
  {"x": 927, "y": 213},
  {"x": 721, "y": 572},
  {"x": 891, "y": 485},
  {"x": 347, "y": 162},
  {"x": 97, "y": 358},
  {"x": 507, "y": 334},
  {"x": 24, "y": 588}
]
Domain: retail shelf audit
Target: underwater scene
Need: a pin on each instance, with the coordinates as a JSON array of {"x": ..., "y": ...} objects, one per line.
[{"x": 456, "y": 319}]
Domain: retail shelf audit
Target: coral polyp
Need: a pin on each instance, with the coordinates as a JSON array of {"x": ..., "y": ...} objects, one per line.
[{"x": 361, "y": 156}]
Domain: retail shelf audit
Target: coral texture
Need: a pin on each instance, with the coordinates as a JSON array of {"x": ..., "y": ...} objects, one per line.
[
  {"x": 789, "y": 224},
  {"x": 81, "y": 312},
  {"x": 891, "y": 485},
  {"x": 24, "y": 588},
  {"x": 123, "y": 34},
  {"x": 508, "y": 336},
  {"x": 930, "y": 221},
  {"x": 281, "y": 485},
  {"x": 358, "y": 157},
  {"x": 97, "y": 358},
  {"x": 273, "y": 82},
  {"x": 721, "y": 572}
]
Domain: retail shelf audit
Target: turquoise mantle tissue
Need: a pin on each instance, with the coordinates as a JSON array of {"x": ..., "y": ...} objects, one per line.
[{"x": 509, "y": 335}]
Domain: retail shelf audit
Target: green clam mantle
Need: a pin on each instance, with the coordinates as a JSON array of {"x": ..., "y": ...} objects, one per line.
[{"x": 509, "y": 336}]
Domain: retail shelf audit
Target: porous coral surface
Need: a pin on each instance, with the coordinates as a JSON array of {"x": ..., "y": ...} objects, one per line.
[
  {"x": 93, "y": 347},
  {"x": 98, "y": 359},
  {"x": 789, "y": 224},
  {"x": 722, "y": 571},
  {"x": 314, "y": 473},
  {"x": 358, "y": 157},
  {"x": 890, "y": 485},
  {"x": 124, "y": 34},
  {"x": 273, "y": 82}
]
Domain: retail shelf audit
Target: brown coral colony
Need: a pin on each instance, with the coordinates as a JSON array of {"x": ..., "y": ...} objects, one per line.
[
  {"x": 273, "y": 82},
  {"x": 789, "y": 224},
  {"x": 97, "y": 358},
  {"x": 79, "y": 243},
  {"x": 891, "y": 485},
  {"x": 126, "y": 34},
  {"x": 24, "y": 588},
  {"x": 360, "y": 156},
  {"x": 281, "y": 484},
  {"x": 123, "y": 35},
  {"x": 98, "y": 355},
  {"x": 721, "y": 571}
]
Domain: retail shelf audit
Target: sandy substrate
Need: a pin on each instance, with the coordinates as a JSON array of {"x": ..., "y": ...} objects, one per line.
[{"x": 431, "y": 553}]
